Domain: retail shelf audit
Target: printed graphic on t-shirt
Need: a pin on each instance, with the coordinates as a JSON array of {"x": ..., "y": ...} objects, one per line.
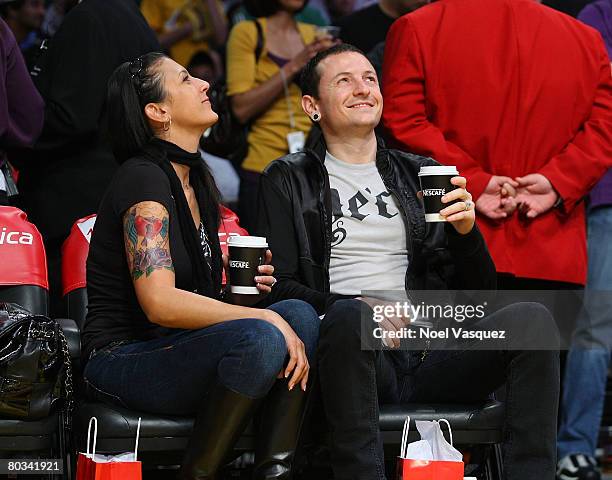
[
  {"x": 358, "y": 206},
  {"x": 205, "y": 245}
]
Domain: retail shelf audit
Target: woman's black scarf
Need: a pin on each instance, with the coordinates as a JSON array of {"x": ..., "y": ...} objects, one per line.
[{"x": 207, "y": 281}]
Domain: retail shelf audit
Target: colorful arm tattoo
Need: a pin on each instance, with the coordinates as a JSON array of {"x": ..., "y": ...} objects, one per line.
[{"x": 145, "y": 231}]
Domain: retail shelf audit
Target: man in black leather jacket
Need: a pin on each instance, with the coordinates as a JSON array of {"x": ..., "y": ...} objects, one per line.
[{"x": 344, "y": 216}]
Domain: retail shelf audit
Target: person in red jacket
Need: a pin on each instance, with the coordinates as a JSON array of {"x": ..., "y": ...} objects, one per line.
[{"x": 519, "y": 97}]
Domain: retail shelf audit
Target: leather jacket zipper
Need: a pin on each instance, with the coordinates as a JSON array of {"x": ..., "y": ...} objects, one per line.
[{"x": 327, "y": 227}]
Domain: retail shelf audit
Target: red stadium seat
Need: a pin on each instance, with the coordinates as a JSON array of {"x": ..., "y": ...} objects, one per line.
[
  {"x": 23, "y": 275},
  {"x": 74, "y": 257},
  {"x": 230, "y": 227}
]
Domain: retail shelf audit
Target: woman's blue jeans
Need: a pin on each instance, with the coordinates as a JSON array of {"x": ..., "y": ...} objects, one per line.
[{"x": 173, "y": 374}]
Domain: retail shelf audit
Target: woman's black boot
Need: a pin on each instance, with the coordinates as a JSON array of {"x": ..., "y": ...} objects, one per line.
[
  {"x": 219, "y": 424},
  {"x": 278, "y": 423}
]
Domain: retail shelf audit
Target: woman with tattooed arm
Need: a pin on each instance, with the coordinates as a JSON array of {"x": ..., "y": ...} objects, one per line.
[{"x": 160, "y": 334}]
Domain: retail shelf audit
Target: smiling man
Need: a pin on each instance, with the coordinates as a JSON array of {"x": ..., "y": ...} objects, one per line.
[{"x": 343, "y": 217}]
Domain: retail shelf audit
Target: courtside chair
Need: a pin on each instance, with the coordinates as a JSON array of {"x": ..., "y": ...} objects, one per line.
[{"x": 23, "y": 280}]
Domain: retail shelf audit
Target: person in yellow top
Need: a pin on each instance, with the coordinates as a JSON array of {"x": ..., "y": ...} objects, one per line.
[
  {"x": 185, "y": 27},
  {"x": 264, "y": 93}
]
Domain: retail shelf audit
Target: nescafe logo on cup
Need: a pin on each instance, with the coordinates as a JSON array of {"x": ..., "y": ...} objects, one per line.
[
  {"x": 435, "y": 183},
  {"x": 238, "y": 264},
  {"x": 246, "y": 253},
  {"x": 434, "y": 192}
]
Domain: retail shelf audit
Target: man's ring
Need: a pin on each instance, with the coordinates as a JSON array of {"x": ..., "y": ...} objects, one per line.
[{"x": 468, "y": 205}]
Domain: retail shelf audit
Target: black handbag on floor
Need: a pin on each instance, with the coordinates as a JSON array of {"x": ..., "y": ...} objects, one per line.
[{"x": 35, "y": 368}]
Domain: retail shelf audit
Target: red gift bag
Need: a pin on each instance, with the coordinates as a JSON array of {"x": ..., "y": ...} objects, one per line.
[
  {"x": 114, "y": 467},
  {"x": 429, "y": 470},
  {"x": 436, "y": 468}
]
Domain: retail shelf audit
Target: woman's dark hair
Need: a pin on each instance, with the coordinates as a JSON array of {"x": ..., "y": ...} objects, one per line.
[
  {"x": 132, "y": 86},
  {"x": 310, "y": 78},
  {"x": 265, "y": 8}
]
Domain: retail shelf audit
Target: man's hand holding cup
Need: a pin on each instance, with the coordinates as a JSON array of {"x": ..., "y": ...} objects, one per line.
[{"x": 445, "y": 197}]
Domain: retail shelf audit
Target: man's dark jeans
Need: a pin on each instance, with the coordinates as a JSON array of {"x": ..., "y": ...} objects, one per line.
[{"x": 355, "y": 381}]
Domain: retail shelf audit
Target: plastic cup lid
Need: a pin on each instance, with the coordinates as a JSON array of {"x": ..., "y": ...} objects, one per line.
[
  {"x": 438, "y": 170},
  {"x": 247, "y": 241}
]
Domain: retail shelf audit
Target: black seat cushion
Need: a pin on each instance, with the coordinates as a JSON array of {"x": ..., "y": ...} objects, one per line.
[
  {"x": 28, "y": 436},
  {"x": 484, "y": 416},
  {"x": 119, "y": 422},
  {"x": 479, "y": 423},
  {"x": 45, "y": 426}
]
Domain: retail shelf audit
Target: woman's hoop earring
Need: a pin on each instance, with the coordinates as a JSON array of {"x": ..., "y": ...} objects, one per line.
[
  {"x": 167, "y": 125},
  {"x": 316, "y": 117}
]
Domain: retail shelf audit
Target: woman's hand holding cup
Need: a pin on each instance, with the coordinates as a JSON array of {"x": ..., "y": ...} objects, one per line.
[{"x": 265, "y": 281}]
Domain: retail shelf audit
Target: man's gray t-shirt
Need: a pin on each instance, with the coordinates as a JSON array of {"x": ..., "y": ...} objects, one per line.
[{"x": 368, "y": 232}]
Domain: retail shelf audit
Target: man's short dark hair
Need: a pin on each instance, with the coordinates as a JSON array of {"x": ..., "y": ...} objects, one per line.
[
  {"x": 265, "y": 8},
  {"x": 311, "y": 77}
]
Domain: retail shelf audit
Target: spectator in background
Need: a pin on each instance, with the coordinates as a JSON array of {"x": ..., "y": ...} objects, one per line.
[
  {"x": 367, "y": 28},
  {"x": 264, "y": 92},
  {"x": 56, "y": 11},
  {"x": 586, "y": 371},
  {"x": 206, "y": 66},
  {"x": 21, "y": 107},
  {"x": 338, "y": 9},
  {"x": 570, "y": 7},
  {"x": 309, "y": 14},
  {"x": 25, "y": 18},
  {"x": 185, "y": 27},
  {"x": 66, "y": 173},
  {"x": 516, "y": 95}
]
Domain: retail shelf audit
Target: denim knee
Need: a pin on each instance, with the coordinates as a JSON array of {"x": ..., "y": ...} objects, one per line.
[
  {"x": 304, "y": 321},
  {"x": 263, "y": 354}
]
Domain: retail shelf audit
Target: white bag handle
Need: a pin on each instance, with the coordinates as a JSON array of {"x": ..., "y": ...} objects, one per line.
[
  {"x": 450, "y": 432},
  {"x": 404, "y": 445},
  {"x": 93, "y": 420},
  {"x": 137, "y": 438}
]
